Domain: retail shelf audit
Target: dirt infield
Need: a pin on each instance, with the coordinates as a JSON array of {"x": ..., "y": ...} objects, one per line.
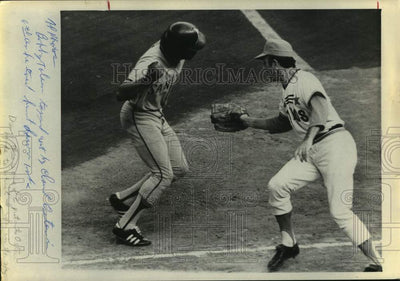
[
  {"x": 204, "y": 211},
  {"x": 90, "y": 121},
  {"x": 221, "y": 206}
]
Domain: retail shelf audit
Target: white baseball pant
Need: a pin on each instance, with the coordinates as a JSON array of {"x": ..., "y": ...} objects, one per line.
[{"x": 334, "y": 158}]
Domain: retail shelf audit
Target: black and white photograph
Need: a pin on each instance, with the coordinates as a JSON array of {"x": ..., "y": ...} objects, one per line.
[
  {"x": 275, "y": 180},
  {"x": 198, "y": 141}
]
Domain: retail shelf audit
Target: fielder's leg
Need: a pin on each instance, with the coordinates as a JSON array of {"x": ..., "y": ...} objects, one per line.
[
  {"x": 292, "y": 176},
  {"x": 286, "y": 229},
  {"x": 336, "y": 158}
]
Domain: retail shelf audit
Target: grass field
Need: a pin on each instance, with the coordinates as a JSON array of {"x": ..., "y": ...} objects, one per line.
[{"x": 222, "y": 203}]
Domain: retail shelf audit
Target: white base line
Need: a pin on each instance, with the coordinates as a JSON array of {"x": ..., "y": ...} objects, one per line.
[
  {"x": 199, "y": 253},
  {"x": 268, "y": 32}
]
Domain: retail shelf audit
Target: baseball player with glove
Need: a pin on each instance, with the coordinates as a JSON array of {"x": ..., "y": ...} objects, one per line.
[
  {"x": 327, "y": 150},
  {"x": 145, "y": 92}
]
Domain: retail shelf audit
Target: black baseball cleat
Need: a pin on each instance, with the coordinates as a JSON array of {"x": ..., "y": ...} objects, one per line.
[
  {"x": 282, "y": 253},
  {"x": 373, "y": 268},
  {"x": 131, "y": 237},
  {"x": 117, "y": 204}
]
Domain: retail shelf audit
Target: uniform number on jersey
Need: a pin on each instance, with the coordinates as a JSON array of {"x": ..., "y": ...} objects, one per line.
[{"x": 299, "y": 115}]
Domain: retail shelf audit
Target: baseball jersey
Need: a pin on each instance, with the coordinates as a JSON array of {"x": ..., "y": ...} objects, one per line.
[
  {"x": 295, "y": 103},
  {"x": 154, "y": 97}
]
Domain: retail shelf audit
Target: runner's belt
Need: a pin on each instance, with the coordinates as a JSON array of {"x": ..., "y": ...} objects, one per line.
[{"x": 150, "y": 111}]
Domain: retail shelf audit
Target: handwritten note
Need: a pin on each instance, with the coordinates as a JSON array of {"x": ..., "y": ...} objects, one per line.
[{"x": 40, "y": 57}]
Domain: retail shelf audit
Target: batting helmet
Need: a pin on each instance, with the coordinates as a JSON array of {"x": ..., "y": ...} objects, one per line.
[{"x": 181, "y": 41}]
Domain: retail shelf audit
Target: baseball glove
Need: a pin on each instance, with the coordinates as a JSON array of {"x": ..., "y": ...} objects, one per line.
[{"x": 226, "y": 117}]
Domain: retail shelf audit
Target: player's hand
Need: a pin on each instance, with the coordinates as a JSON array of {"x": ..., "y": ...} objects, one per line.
[
  {"x": 245, "y": 119},
  {"x": 155, "y": 71},
  {"x": 302, "y": 151}
]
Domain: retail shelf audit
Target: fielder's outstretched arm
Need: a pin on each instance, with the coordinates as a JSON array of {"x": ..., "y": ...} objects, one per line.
[{"x": 278, "y": 124}]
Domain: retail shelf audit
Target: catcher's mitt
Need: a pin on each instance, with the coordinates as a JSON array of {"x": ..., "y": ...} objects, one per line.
[{"x": 226, "y": 117}]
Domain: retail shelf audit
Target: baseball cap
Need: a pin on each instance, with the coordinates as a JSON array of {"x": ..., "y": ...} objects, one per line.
[{"x": 276, "y": 47}]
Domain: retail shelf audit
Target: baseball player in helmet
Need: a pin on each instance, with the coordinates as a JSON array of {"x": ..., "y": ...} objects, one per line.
[
  {"x": 327, "y": 150},
  {"x": 145, "y": 92}
]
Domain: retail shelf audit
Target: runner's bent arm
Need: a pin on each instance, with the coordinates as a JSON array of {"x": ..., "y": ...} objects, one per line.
[{"x": 128, "y": 89}]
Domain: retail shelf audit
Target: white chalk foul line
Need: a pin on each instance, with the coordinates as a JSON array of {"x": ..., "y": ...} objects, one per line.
[
  {"x": 200, "y": 253},
  {"x": 268, "y": 32}
]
